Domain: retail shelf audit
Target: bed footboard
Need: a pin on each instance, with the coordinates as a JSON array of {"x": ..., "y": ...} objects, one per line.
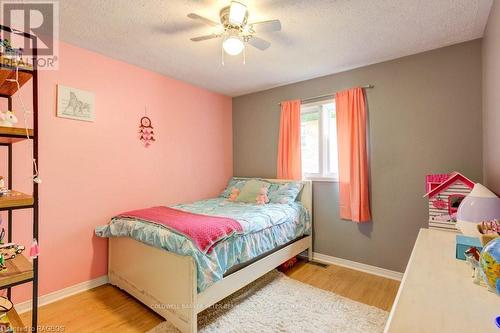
[{"x": 164, "y": 281}]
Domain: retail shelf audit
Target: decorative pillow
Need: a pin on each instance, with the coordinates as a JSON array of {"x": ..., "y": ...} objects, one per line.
[
  {"x": 251, "y": 190},
  {"x": 233, "y": 183},
  {"x": 285, "y": 193}
]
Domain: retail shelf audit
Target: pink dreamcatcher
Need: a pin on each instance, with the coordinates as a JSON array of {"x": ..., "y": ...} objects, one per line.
[{"x": 146, "y": 134}]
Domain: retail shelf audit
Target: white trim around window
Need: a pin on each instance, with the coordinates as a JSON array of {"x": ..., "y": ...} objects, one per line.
[{"x": 325, "y": 139}]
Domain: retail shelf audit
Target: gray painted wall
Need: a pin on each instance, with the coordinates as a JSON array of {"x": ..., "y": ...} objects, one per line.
[
  {"x": 425, "y": 117},
  {"x": 491, "y": 100}
]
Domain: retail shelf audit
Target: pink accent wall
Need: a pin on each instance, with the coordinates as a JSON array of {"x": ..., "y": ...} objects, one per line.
[{"x": 93, "y": 170}]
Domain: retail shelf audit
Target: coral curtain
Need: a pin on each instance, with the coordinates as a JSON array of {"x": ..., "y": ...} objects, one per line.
[
  {"x": 353, "y": 157},
  {"x": 289, "y": 161}
]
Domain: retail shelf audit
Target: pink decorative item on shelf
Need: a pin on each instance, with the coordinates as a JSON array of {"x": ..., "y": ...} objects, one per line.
[
  {"x": 34, "y": 250},
  {"x": 445, "y": 193},
  {"x": 262, "y": 198},
  {"x": 234, "y": 194}
]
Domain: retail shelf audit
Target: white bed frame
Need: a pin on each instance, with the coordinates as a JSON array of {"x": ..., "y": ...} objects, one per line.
[{"x": 166, "y": 282}]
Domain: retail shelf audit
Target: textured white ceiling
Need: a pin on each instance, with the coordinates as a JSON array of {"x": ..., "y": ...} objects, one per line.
[{"x": 319, "y": 37}]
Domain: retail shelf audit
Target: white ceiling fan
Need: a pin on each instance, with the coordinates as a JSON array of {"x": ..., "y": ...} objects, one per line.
[{"x": 235, "y": 30}]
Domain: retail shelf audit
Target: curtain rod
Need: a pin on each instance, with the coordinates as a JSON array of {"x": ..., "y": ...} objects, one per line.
[{"x": 368, "y": 86}]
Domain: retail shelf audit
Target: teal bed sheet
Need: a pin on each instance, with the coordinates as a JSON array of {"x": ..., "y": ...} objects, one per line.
[{"x": 265, "y": 227}]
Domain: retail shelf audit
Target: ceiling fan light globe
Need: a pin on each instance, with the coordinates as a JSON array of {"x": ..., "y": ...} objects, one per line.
[
  {"x": 237, "y": 13},
  {"x": 233, "y": 45}
]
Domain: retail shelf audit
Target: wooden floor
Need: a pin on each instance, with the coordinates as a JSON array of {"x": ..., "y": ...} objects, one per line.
[
  {"x": 107, "y": 309},
  {"x": 358, "y": 286}
]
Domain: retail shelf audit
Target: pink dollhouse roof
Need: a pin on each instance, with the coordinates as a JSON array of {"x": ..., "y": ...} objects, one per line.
[{"x": 454, "y": 177}]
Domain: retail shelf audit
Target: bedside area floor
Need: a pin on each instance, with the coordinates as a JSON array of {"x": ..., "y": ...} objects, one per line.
[{"x": 108, "y": 309}]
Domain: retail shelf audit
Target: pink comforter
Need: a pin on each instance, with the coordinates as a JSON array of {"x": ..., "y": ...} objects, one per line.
[{"x": 204, "y": 230}]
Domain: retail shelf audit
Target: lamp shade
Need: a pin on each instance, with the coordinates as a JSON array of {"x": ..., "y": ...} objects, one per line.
[
  {"x": 480, "y": 205},
  {"x": 233, "y": 45}
]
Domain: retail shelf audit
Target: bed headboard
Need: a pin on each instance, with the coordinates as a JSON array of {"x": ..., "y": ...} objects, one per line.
[{"x": 305, "y": 196}]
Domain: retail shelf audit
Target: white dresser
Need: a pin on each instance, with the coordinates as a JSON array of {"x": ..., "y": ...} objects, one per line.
[{"x": 437, "y": 293}]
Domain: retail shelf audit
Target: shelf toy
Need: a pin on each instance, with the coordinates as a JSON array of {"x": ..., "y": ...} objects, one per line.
[
  {"x": 445, "y": 193},
  {"x": 8, "y": 118},
  {"x": 34, "y": 250},
  {"x": 472, "y": 256},
  {"x": 11, "y": 250}
]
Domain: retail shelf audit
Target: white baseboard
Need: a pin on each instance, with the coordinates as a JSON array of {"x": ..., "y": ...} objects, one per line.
[
  {"x": 63, "y": 293},
  {"x": 323, "y": 258},
  {"x": 87, "y": 285}
]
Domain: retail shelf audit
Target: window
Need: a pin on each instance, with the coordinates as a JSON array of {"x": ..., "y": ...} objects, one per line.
[{"x": 319, "y": 141}]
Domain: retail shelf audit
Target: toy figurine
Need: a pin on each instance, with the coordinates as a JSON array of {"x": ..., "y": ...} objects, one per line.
[
  {"x": 472, "y": 256},
  {"x": 7, "y": 118}
]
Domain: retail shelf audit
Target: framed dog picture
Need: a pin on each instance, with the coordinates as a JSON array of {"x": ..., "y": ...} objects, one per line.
[{"x": 75, "y": 104}]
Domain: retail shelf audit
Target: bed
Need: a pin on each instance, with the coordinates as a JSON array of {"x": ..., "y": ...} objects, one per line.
[{"x": 167, "y": 273}]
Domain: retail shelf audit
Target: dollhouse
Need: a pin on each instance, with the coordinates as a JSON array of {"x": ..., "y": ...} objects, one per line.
[{"x": 445, "y": 192}]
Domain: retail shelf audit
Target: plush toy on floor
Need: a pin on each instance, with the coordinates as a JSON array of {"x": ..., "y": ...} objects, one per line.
[
  {"x": 7, "y": 119},
  {"x": 262, "y": 198},
  {"x": 287, "y": 264}
]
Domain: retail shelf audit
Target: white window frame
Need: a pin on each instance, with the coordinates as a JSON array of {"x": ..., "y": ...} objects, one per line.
[{"x": 324, "y": 148}]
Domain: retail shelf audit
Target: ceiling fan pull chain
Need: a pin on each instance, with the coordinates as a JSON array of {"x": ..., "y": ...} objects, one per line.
[
  {"x": 244, "y": 56},
  {"x": 222, "y": 55}
]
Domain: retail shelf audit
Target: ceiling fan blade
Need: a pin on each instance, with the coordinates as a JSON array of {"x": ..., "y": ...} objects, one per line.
[
  {"x": 265, "y": 26},
  {"x": 206, "y": 37},
  {"x": 259, "y": 43},
  {"x": 203, "y": 19}
]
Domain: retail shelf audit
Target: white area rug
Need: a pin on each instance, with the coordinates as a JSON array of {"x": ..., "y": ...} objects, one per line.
[{"x": 276, "y": 303}]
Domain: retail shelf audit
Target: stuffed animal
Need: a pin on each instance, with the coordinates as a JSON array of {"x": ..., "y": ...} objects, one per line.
[
  {"x": 234, "y": 194},
  {"x": 7, "y": 118},
  {"x": 262, "y": 198}
]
